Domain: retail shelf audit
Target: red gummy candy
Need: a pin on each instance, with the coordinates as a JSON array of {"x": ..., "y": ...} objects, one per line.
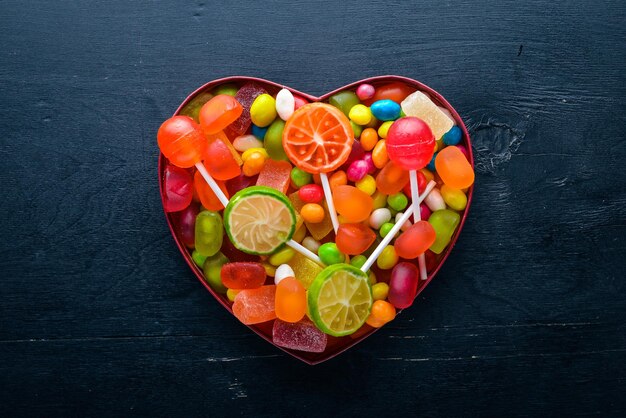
[
  {"x": 245, "y": 96},
  {"x": 178, "y": 188}
]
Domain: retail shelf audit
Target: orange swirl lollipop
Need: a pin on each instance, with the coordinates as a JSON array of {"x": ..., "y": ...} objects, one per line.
[{"x": 318, "y": 138}]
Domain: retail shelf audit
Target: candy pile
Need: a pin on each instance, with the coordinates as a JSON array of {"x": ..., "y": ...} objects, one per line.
[{"x": 316, "y": 202}]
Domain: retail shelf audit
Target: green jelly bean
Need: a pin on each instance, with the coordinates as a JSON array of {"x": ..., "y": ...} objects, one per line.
[
  {"x": 344, "y": 101},
  {"x": 212, "y": 269},
  {"x": 444, "y": 222},
  {"x": 192, "y": 109},
  {"x": 357, "y": 129},
  {"x": 209, "y": 232},
  {"x": 358, "y": 261},
  {"x": 273, "y": 141},
  {"x": 385, "y": 229},
  {"x": 228, "y": 89},
  {"x": 300, "y": 177},
  {"x": 330, "y": 254},
  {"x": 198, "y": 258},
  {"x": 282, "y": 256},
  {"x": 397, "y": 201}
]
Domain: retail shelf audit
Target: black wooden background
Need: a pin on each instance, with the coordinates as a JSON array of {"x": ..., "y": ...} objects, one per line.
[{"x": 99, "y": 314}]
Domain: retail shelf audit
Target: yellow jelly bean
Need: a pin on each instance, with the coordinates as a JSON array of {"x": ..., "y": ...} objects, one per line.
[
  {"x": 281, "y": 257},
  {"x": 388, "y": 258},
  {"x": 247, "y": 153},
  {"x": 263, "y": 110},
  {"x": 380, "y": 200},
  {"x": 270, "y": 270},
  {"x": 253, "y": 164},
  {"x": 380, "y": 291},
  {"x": 384, "y": 128},
  {"x": 367, "y": 185},
  {"x": 371, "y": 278},
  {"x": 360, "y": 114},
  {"x": 454, "y": 198},
  {"x": 231, "y": 293}
]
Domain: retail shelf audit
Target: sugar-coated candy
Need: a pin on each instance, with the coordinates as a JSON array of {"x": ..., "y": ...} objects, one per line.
[
  {"x": 410, "y": 143},
  {"x": 444, "y": 223},
  {"x": 396, "y": 91},
  {"x": 355, "y": 238},
  {"x": 177, "y": 188},
  {"x": 300, "y": 178},
  {"x": 263, "y": 110},
  {"x": 253, "y": 306},
  {"x": 387, "y": 258},
  {"x": 283, "y": 271},
  {"x": 381, "y": 313},
  {"x": 464, "y": 150},
  {"x": 352, "y": 204},
  {"x": 312, "y": 213},
  {"x": 403, "y": 285},
  {"x": 181, "y": 141},
  {"x": 311, "y": 244},
  {"x": 229, "y": 89},
  {"x": 360, "y": 114},
  {"x": 453, "y": 136},
  {"x": 243, "y": 275},
  {"x": 299, "y": 101},
  {"x": 358, "y": 261},
  {"x": 281, "y": 256},
  {"x": 391, "y": 179},
  {"x": 207, "y": 196},
  {"x": 245, "y": 142},
  {"x": 186, "y": 224},
  {"x": 434, "y": 200},
  {"x": 311, "y": 193},
  {"x": 385, "y": 110},
  {"x": 273, "y": 140},
  {"x": 209, "y": 232},
  {"x": 385, "y": 229},
  {"x": 453, "y": 168},
  {"x": 424, "y": 212},
  {"x": 379, "y": 217},
  {"x": 285, "y": 104},
  {"x": 344, "y": 101},
  {"x": 383, "y": 129},
  {"x": 219, "y": 159},
  {"x": 301, "y": 336},
  {"x": 270, "y": 270},
  {"x": 380, "y": 291},
  {"x": 419, "y": 105},
  {"x": 329, "y": 254},
  {"x": 218, "y": 113},
  {"x": 365, "y": 91},
  {"x": 454, "y": 198},
  {"x": 275, "y": 174},
  {"x": 259, "y": 132},
  {"x": 212, "y": 268},
  {"x": 379, "y": 154},
  {"x": 290, "y": 303},
  {"x": 245, "y": 96},
  {"x": 368, "y": 139},
  {"x": 357, "y": 170},
  {"x": 415, "y": 240},
  {"x": 305, "y": 270},
  {"x": 367, "y": 185},
  {"x": 254, "y": 164}
]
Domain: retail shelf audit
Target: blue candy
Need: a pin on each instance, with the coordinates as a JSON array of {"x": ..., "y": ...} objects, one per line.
[
  {"x": 259, "y": 132},
  {"x": 431, "y": 164},
  {"x": 385, "y": 110},
  {"x": 453, "y": 136}
]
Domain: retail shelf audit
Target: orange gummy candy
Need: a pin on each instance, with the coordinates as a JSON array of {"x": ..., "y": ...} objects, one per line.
[
  {"x": 453, "y": 168},
  {"x": 354, "y": 239},
  {"x": 181, "y": 141},
  {"x": 219, "y": 159},
  {"x": 290, "y": 301},
  {"x": 218, "y": 113},
  {"x": 253, "y": 306},
  {"x": 353, "y": 204},
  {"x": 206, "y": 195},
  {"x": 415, "y": 240},
  {"x": 391, "y": 179},
  {"x": 275, "y": 174}
]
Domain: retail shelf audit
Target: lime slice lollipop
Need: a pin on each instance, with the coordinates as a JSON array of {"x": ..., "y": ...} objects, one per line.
[
  {"x": 340, "y": 299},
  {"x": 259, "y": 219}
]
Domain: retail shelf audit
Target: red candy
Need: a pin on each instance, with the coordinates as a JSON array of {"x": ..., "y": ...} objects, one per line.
[
  {"x": 311, "y": 193},
  {"x": 186, "y": 224},
  {"x": 218, "y": 113},
  {"x": 181, "y": 141},
  {"x": 415, "y": 240},
  {"x": 410, "y": 143},
  {"x": 403, "y": 285},
  {"x": 243, "y": 275},
  {"x": 421, "y": 184},
  {"x": 207, "y": 197},
  {"x": 178, "y": 188},
  {"x": 218, "y": 158},
  {"x": 353, "y": 239},
  {"x": 245, "y": 96}
]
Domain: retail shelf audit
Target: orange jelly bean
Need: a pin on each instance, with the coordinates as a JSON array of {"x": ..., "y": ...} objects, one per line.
[
  {"x": 354, "y": 239},
  {"x": 218, "y": 113},
  {"x": 415, "y": 240},
  {"x": 338, "y": 178},
  {"x": 379, "y": 154},
  {"x": 181, "y": 141},
  {"x": 219, "y": 159},
  {"x": 290, "y": 302},
  {"x": 381, "y": 313},
  {"x": 312, "y": 213},
  {"x": 206, "y": 195},
  {"x": 453, "y": 168},
  {"x": 391, "y": 179},
  {"x": 353, "y": 204},
  {"x": 368, "y": 139}
]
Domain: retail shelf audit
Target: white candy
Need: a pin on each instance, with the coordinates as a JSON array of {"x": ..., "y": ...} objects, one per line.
[
  {"x": 311, "y": 244},
  {"x": 245, "y": 142},
  {"x": 283, "y": 271},
  {"x": 434, "y": 201},
  {"x": 285, "y": 104},
  {"x": 379, "y": 217},
  {"x": 406, "y": 225}
]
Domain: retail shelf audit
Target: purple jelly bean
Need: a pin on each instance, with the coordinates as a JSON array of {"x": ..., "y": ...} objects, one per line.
[
  {"x": 357, "y": 170},
  {"x": 371, "y": 168},
  {"x": 403, "y": 285}
]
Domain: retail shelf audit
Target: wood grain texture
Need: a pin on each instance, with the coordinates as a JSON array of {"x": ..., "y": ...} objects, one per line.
[{"x": 100, "y": 315}]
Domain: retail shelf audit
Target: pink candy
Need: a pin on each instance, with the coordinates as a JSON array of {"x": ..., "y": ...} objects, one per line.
[
  {"x": 302, "y": 336},
  {"x": 357, "y": 170},
  {"x": 403, "y": 285},
  {"x": 365, "y": 91},
  {"x": 371, "y": 168}
]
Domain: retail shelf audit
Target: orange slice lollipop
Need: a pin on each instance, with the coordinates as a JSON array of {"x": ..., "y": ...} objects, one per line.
[{"x": 318, "y": 138}]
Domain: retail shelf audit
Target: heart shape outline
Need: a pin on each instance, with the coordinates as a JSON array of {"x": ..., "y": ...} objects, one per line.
[{"x": 263, "y": 330}]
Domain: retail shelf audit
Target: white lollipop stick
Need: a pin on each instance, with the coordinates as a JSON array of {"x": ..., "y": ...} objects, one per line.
[
  {"x": 417, "y": 216},
  {"x": 405, "y": 217},
  {"x": 329, "y": 201},
  {"x": 224, "y": 201}
]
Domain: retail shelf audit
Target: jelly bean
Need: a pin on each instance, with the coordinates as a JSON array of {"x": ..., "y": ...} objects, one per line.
[
  {"x": 453, "y": 136},
  {"x": 380, "y": 291},
  {"x": 219, "y": 159},
  {"x": 454, "y": 198},
  {"x": 424, "y": 212},
  {"x": 380, "y": 200},
  {"x": 311, "y": 193},
  {"x": 397, "y": 201},
  {"x": 338, "y": 178},
  {"x": 434, "y": 200},
  {"x": 365, "y": 91},
  {"x": 281, "y": 256},
  {"x": 383, "y": 129},
  {"x": 357, "y": 170},
  {"x": 181, "y": 141},
  {"x": 263, "y": 110},
  {"x": 382, "y": 312},
  {"x": 371, "y": 278},
  {"x": 177, "y": 188},
  {"x": 391, "y": 179},
  {"x": 444, "y": 222},
  {"x": 311, "y": 244},
  {"x": 453, "y": 168},
  {"x": 283, "y": 271},
  {"x": 387, "y": 258},
  {"x": 253, "y": 306},
  {"x": 231, "y": 294},
  {"x": 358, "y": 261},
  {"x": 186, "y": 224},
  {"x": 330, "y": 254},
  {"x": 209, "y": 232},
  {"x": 218, "y": 113},
  {"x": 431, "y": 165},
  {"x": 385, "y": 229},
  {"x": 353, "y": 239},
  {"x": 198, "y": 258},
  {"x": 403, "y": 285},
  {"x": 273, "y": 141},
  {"x": 371, "y": 168},
  {"x": 415, "y": 240},
  {"x": 228, "y": 89},
  {"x": 285, "y": 104},
  {"x": 396, "y": 91},
  {"x": 344, "y": 101},
  {"x": 410, "y": 143},
  {"x": 385, "y": 110},
  {"x": 379, "y": 154},
  {"x": 360, "y": 114},
  {"x": 243, "y": 275},
  {"x": 407, "y": 224},
  {"x": 312, "y": 213},
  {"x": 212, "y": 271},
  {"x": 352, "y": 204},
  {"x": 290, "y": 301},
  {"x": 356, "y": 129},
  {"x": 367, "y": 185},
  {"x": 270, "y": 270},
  {"x": 299, "y": 177},
  {"x": 253, "y": 164},
  {"x": 207, "y": 196},
  {"x": 259, "y": 132},
  {"x": 245, "y": 142},
  {"x": 368, "y": 139},
  {"x": 379, "y": 217},
  {"x": 356, "y": 153},
  {"x": 300, "y": 233}
]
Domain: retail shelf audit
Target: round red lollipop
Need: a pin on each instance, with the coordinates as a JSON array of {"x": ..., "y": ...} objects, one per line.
[{"x": 410, "y": 143}]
